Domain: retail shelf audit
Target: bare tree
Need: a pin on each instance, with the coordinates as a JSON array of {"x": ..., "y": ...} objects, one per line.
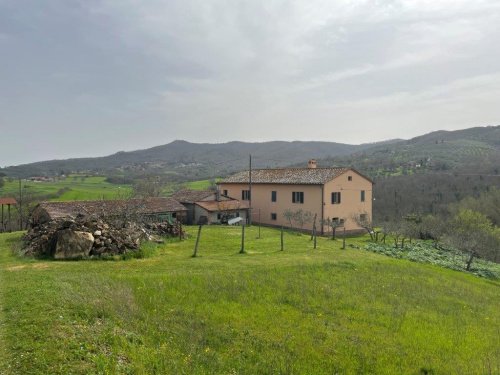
[
  {"x": 148, "y": 187},
  {"x": 302, "y": 217},
  {"x": 363, "y": 220},
  {"x": 288, "y": 214}
]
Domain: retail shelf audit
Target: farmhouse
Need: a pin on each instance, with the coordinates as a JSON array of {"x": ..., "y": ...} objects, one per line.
[
  {"x": 210, "y": 207},
  {"x": 340, "y": 194},
  {"x": 148, "y": 209}
]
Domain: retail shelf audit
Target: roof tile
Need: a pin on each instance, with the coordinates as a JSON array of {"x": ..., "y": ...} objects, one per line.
[{"x": 302, "y": 176}]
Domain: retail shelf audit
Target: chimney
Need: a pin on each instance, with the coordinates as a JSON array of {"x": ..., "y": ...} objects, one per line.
[{"x": 312, "y": 164}]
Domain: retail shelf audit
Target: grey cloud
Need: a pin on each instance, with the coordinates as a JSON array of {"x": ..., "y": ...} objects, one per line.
[{"x": 93, "y": 77}]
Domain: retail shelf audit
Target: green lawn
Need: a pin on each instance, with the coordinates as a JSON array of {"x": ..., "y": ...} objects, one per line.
[
  {"x": 199, "y": 185},
  {"x": 72, "y": 188},
  {"x": 300, "y": 311}
]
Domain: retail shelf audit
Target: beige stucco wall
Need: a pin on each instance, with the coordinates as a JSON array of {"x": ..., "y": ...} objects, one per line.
[
  {"x": 314, "y": 197},
  {"x": 261, "y": 200},
  {"x": 350, "y": 203}
]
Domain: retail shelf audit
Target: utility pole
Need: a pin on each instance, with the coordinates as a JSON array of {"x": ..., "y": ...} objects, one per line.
[
  {"x": 250, "y": 190},
  {"x": 20, "y": 206}
]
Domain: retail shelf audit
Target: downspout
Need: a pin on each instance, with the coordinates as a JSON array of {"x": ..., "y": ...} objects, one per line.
[{"x": 322, "y": 206}]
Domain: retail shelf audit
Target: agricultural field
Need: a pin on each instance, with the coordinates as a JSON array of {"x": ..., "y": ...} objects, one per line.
[
  {"x": 74, "y": 187},
  {"x": 297, "y": 311}
]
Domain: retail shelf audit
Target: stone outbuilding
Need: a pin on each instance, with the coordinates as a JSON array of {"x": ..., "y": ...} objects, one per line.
[{"x": 148, "y": 209}]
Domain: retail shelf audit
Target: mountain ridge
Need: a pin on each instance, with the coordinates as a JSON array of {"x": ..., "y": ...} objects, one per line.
[{"x": 184, "y": 159}]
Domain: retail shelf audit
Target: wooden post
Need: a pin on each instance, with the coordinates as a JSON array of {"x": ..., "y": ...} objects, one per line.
[
  {"x": 343, "y": 240},
  {"x": 259, "y": 223},
  {"x": 314, "y": 227},
  {"x": 20, "y": 206},
  {"x": 195, "y": 254},
  {"x": 315, "y": 237},
  {"x": 2, "y": 228},
  {"x": 180, "y": 231},
  {"x": 282, "y": 238},
  {"x": 10, "y": 223},
  {"x": 242, "y": 251}
]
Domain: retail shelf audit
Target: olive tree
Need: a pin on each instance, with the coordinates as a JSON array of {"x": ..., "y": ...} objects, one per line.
[{"x": 474, "y": 234}]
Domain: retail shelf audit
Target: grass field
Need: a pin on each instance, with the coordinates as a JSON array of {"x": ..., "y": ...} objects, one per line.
[
  {"x": 72, "y": 188},
  {"x": 77, "y": 187},
  {"x": 199, "y": 185},
  {"x": 300, "y": 311}
]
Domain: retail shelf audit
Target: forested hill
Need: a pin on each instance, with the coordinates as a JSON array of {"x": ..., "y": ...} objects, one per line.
[
  {"x": 192, "y": 160},
  {"x": 473, "y": 150}
]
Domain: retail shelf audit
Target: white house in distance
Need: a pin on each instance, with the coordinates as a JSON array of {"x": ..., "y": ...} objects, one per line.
[{"x": 339, "y": 194}]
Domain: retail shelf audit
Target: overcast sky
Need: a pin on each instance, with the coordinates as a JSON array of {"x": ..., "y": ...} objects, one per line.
[{"x": 90, "y": 78}]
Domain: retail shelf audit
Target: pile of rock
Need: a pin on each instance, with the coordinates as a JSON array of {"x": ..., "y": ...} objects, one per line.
[{"x": 84, "y": 237}]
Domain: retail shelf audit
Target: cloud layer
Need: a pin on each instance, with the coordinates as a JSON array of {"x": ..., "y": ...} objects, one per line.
[{"x": 87, "y": 78}]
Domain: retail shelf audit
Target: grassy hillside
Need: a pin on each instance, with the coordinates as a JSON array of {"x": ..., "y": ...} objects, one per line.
[
  {"x": 74, "y": 187},
  {"x": 300, "y": 311}
]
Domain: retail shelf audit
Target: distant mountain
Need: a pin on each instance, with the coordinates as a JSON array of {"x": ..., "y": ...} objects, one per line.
[
  {"x": 192, "y": 160},
  {"x": 473, "y": 150}
]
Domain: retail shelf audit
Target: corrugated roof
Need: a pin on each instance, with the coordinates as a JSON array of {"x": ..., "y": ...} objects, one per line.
[
  {"x": 8, "y": 200},
  {"x": 299, "y": 176},
  {"x": 213, "y": 206},
  {"x": 111, "y": 207},
  {"x": 191, "y": 196}
]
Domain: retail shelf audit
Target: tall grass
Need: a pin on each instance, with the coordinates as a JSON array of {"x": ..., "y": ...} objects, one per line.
[{"x": 297, "y": 311}]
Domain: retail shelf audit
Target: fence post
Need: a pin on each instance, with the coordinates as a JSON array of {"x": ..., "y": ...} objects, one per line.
[
  {"x": 282, "y": 238},
  {"x": 195, "y": 254},
  {"x": 242, "y": 251},
  {"x": 314, "y": 230}
]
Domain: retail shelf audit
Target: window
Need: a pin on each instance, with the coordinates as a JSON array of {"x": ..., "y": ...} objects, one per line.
[
  {"x": 245, "y": 195},
  {"x": 273, "y": 196},
  {"x": 224, "y": 192},
  {"x": 297, "y": 197},
  {"x": 336, "y": 197},
  {"x": 274, "y": 216},
  {"x": 338, "y": 222},
  {"x": 363, "y": 218},
  {"x": 349, "y": 178},
  {"x": 219, "y": 215},
  {"x": 362, "y": 195}
]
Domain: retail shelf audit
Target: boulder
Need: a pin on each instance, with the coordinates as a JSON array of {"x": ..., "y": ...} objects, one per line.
[{"x": 73, "y": 244}]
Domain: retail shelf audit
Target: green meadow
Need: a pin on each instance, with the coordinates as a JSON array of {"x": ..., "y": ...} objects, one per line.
[
  {"x": 79, "y": 187},
  {"x": 73, "y": 187},
  {"x": 297, "y": 311}
]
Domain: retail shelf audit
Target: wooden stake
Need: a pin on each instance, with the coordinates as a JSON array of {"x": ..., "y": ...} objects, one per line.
[
  {"x": 282, "y": 238},
  {"x": 242, "y": 251},
  {"x": 315, "y": 237},
  {"x": 259, "y": 224},
  {"x": 314, "y": 227},
  {"x": 10, "y": 223},
  {"x": 195, "y": 254},
  {"x": 343, "y": 240}
]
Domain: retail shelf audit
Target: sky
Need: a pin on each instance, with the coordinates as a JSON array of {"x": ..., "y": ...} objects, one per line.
[{"x": 93, "y": 77}]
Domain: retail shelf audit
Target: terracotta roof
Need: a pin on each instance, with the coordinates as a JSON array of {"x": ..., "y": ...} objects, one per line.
[
  {"x": 111, "y": 207},
  {"x": 191, "y": 196},
  {"x": 8, "y": 201},
  {"x": 213, "y": 206},
  {"x": 299, "y": 176}
]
